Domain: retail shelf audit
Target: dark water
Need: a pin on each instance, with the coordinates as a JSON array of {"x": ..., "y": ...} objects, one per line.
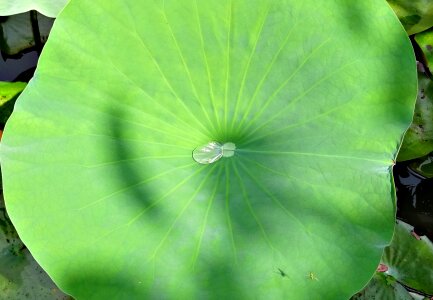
[
  {"x": 20, "y": 69},
  {"x": 414, "y": 199}
]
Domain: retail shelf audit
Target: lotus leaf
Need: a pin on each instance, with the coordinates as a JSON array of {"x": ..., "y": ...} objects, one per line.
[
  {"x": 383, "y": 287},
  {"x": 305, "y": 120},
  {"x": 9, "y": 92},
  {"x": 20, "y": 275}
]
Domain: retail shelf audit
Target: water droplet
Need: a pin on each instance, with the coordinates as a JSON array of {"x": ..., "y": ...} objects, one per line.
[
  {"x": 229, "y": 149},
  {"x": 212, "y": 152}
]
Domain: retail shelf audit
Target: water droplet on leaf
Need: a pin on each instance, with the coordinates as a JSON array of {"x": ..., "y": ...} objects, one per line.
[{"x": 213, "y": 151}]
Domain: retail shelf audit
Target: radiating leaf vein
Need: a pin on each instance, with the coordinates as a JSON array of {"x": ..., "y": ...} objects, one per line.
[
  {"x": 125, "y": 189},
  {"x": 291, "y": 103},
  {"x": 211, "y": 92},
  {"x": 227, "y": 212},
  {"x": 164, "y": 77},
  {"x": 188, "y": 203},
  {"x": 171, "y": 191},
  {"x": 251, "y": 209},
  {"x": 247, "y": 68},
  {"x": 227, "y": 84},
  {"x": 205, "y": 111},
  {"x": 203, "y": 227}
]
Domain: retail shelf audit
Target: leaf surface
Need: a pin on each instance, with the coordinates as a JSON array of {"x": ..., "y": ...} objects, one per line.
[
  {"x": 423, "y": 166},
  {"x": 97, "y": 158},
  {"x": 9, "y": 92},
  {"x": 383, "y": 287},
  {"x": 425, "y": 41},
  {"x": 20, "y": 275},
  {"x": 409, "y": 259}
]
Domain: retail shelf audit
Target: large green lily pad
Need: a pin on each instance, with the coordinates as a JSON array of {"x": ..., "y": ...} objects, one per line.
[{"x": 97, "y": 158}]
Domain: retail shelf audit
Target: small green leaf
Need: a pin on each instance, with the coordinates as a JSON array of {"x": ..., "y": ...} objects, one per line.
[
  {"x": 425, "y": 42},
  {"x": 415, "y": 15},
  {"x": 423, "y": 166},
  {"x": 9, "y": 92},
  {"x": 418, "y": 140},
  {"x": 409, "y": 259},
  {"x": 383, "y": 287}
]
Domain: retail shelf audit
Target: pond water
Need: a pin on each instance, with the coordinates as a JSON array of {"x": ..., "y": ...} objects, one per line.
[
  {"x": 18, "y": 69},
  {"x": 414, "y": 199}
]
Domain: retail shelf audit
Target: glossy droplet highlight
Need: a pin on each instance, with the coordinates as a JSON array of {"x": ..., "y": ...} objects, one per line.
[{"x": 212, "y": 152}]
